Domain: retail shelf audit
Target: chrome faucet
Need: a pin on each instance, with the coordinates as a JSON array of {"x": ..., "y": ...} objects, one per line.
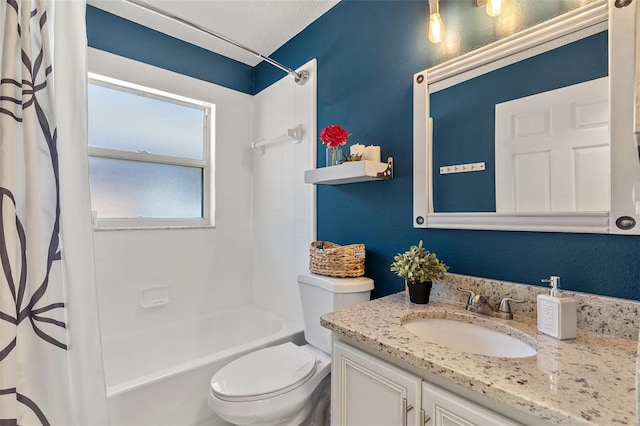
[{"x": 477, "y": 303}]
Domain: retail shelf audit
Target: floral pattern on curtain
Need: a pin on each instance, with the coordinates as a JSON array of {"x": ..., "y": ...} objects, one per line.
[{"x": 34, "y": 378}]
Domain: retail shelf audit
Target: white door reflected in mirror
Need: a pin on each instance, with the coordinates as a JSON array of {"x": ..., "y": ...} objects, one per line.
[{"x": 552, "y": 150}]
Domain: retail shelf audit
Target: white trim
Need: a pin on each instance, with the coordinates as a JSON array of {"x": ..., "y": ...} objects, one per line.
[
  {"x": 561, "y": 26},
  {"x": 208, "y": 173},
  {"x": 145, "y": 157},
  {"x": 113, "y": 224},
  {"x": 625, "y": 167},
  {"x": 541, "y": 222},
  {"x": 452, "y": 76},
  {"x": 421, "y": 153},
  {"x": 141, "y": 90},
  {"x": 312, "y": 67}
]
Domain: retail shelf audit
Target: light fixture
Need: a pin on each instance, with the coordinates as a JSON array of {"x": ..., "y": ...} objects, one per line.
[
  {"x": 492, "y": 7},
  {"x": 436, "y": 27}
]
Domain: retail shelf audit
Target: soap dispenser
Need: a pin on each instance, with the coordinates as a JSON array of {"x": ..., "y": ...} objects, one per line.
[{"x": 557, "y": 315}]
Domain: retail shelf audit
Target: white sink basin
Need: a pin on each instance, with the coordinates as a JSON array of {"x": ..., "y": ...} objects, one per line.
[{"x": 470, "y": 338}]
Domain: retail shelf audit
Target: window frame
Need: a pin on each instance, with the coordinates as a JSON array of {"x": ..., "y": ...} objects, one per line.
[{"x": 206, "y": 164}]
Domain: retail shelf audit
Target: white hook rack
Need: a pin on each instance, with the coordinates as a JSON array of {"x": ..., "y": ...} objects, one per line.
[{"x": 293, "y": 135}]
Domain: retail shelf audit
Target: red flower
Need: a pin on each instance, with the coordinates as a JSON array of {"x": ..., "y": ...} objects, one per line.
[{"x": 334, "y": 135}]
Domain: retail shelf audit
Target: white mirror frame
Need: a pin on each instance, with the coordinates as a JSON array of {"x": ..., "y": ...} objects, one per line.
[{"x": 625, "y": 166}]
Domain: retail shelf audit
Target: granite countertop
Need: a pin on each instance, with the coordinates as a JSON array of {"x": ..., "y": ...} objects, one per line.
[{"x": 589, "y": 380}]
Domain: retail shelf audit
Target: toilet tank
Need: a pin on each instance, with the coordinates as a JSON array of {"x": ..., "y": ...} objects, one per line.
[{"x": 321, "y": 295}]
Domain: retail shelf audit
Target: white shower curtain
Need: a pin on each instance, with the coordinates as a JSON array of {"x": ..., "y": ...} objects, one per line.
[{"x": 50, "y": 357}]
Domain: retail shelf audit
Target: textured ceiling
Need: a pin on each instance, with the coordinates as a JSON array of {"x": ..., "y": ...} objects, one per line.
[{"x": 262, "y": 25}]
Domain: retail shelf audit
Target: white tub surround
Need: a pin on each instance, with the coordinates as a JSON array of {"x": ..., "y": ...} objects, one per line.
[
  {"x": 589, "y": 380},
  {"x": 160, "y": 376},
  {"x": 165, "y": 294},
  {"x": 206, "y": 269},
  {"x": 283, "y": 206}
]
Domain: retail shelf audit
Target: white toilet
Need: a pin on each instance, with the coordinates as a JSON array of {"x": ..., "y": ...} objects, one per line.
[{"x": 288, "y": 384}]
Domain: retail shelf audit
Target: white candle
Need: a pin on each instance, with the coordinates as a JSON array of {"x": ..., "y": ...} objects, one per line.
[
  {"x": 357, "y": 149},
  {"x": 372, "y": 153}
]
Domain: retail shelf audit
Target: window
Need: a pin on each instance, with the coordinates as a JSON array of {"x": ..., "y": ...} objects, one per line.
[{"x": 149, "y": 156}]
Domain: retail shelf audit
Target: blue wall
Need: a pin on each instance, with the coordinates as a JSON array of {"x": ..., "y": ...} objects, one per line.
[
  {"x": 367, "y": 54},
  {"x": 111, "y": 33}
]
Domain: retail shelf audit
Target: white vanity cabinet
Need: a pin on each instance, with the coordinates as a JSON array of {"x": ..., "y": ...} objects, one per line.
[
  {"x": 367, "y": 391},
  {"x": 444, "y": 408}
]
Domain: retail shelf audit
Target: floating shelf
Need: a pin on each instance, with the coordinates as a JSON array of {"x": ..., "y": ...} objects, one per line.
[{"x": 350, "y": 172}]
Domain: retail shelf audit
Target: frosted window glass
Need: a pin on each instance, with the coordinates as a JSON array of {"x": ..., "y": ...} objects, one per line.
[
  {"x": 133, "y": 189},
  {"x": 130, "y": 122}
]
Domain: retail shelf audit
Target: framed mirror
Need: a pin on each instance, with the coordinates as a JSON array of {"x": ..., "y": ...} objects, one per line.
[{"x": 534, "y": 132}]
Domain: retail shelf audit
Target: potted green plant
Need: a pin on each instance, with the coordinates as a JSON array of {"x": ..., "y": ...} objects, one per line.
[{"x": 419, "y": 268}]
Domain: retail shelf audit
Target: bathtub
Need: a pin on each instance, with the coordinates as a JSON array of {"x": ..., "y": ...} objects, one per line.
[{"x": 161, "y": 376}]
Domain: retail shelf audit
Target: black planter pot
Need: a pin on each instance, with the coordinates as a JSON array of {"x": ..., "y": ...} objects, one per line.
[{"x": 419, "y": 292}]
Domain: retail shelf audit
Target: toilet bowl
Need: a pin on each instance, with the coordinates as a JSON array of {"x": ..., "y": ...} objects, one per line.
[
  {"x": 288, "y": 384},
  {"x": 273, "y": 386}
]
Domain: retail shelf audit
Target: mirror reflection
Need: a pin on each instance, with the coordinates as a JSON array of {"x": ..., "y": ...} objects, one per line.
[{"x": 540, "y": 126}]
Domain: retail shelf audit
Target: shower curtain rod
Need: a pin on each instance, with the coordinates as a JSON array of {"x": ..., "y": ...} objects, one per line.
[{"x": 300, "y": 77}]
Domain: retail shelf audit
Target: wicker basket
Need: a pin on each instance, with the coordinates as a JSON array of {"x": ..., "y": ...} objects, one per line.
[{"x": 333, "y": 260}]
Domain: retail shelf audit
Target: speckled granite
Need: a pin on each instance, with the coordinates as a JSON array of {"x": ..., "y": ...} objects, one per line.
[
  {"x": 616, "y": 317},
  {"x": 589, "y": 380}
]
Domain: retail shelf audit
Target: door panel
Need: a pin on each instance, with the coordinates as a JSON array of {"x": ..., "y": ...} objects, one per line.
[
  {"x": 367, "y": 391},
  {"x": 447, "y": 409},
  {"x": 552, "y": 150}
]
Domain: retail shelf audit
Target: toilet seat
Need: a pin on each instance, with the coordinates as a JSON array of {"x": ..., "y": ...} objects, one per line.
[{"x": 264, "y": 373}]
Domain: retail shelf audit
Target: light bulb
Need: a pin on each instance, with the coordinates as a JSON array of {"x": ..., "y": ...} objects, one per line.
[
  {"x": 494, "y": 7},
  {"x": 436, "y": 28}
]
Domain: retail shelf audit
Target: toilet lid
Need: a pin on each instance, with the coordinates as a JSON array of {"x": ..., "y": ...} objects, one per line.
[{"x": 264, "y": 373}]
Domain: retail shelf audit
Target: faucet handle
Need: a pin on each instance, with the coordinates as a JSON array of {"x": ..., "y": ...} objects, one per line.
[
  {"x": 472, "y": 295},
  {"x": 504, "y": 310}
]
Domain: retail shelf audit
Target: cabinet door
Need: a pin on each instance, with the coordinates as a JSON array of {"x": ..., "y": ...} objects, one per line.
[
  {"x": 443, "y": 408},
  {"x": 366, "y": 391}
]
